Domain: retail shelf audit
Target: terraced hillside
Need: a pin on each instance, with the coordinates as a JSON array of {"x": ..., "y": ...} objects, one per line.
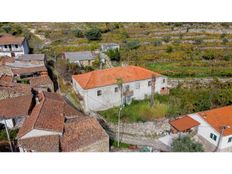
[{"x": 174, "y": 49}]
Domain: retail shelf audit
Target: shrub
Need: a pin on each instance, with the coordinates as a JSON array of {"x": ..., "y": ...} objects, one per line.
[
  {"x": 208, "y": 55},
  {"x": 227, "y": 57},
  {"x": 114, "y": 54},
  {"x": 6, "y": 28},
  {"x": 198, "y": 41},
  {"x": 78, "y": 33},
  {"x": 93, "y": 34},
  {"x": 225, "y": 40},
  {"x": 166, "y": 39},
  {"x": 169, "y": 49},
  {"x": 185, "y": 144},
  {"x": 157, "y": 43},
  {"x": 133, "y": 45}
]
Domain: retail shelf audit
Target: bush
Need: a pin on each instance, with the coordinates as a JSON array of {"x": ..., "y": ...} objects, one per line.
[
  {"x": 227, "y": 57},
  {"x": 185, "y": 144},
  {"x": 208, "y": 55},
  {"x": 225, "y": 40},
  {"x": 114, "y": 54},
  {"x": 93, "y": 34},
  {"x": 6, "y": 28},
  {"x": 169, "y": 49},
  {"x": 198, "y": 41},
  {"x": 78, "y": 33},
  {"x": 157, "y": 43},
  {"x": 166, "y": 39},
  {"x": 133, "y": 45}
]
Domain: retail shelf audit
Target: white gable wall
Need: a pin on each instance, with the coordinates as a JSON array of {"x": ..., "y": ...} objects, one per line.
[
  {"x": 37, "y": 133},
  {"x": 110, "y": 98},
  {"x": 204, "y": 129}
]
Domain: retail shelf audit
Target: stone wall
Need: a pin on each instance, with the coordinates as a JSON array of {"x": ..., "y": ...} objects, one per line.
[
  {"x": 99, "y": 146},
  {"x": 188, "y": 82},
  {"x": 145, "y": 134}
]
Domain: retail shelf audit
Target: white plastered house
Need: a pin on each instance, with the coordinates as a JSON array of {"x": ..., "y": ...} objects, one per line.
[{"x": 100, "y": 91}]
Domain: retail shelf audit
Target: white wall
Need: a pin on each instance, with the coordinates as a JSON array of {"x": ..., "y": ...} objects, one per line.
[
  {"x": 37, "y": 133},
  {"x": 204, "y": 129},
  {"x": 110, "y": 98},
  {"x": 9, "y": 123}
]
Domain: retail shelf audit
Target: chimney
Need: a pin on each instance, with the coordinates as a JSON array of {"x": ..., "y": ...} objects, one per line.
[{"x": 37, "y": 100}]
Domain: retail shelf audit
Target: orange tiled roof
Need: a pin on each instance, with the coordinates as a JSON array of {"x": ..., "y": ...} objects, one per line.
[
  {"x": 219, "y": 117},
  {"x": 109, "y": 76},
  {"x": 10, "y": 39},
  {"x": 184, "y": 123}
]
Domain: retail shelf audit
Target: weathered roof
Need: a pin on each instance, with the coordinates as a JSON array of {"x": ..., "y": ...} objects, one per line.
[
  {"x": 29, "y": 70},
  {"x": 31, "y": 57},
  {"x": 48, "y": 143},
  {"x": 79, "y": 56},
  {"x": 6, "y": 59},
  {"x": 10, "y": 39},
  {"x": 40, "y": 81},
  {"x": 109, "y": 45},
  {"x": 47, "y": 115},
  {"x": 184, "y": 123},
  {"x": 15, "y": 107},
  {"x": 5, "y": 70},
  {"x": 81, "y": 132},
  {"x": 218, "y": 118},
  {"x": 109, "y": 76},
  {"x": 23, "y": 89}
]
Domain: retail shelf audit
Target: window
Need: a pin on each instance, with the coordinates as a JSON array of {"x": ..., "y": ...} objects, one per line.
[
  {"x": 16, "y": 46},
  {"x": 229, "y": 139},
  {"x": 5, "y": 46},
  {"x": 137, "y": 85},
  {"x": 99, "y": 92},
  {"x": 163, "y": 80},
  {"x": 116, "y": 89},
  {"x": 149, "y": 83},
  {"x": 213, "y": 136}
]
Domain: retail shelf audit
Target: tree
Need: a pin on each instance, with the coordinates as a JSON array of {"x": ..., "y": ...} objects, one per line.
[
  {"x": 114, "y": 54},
  {"x": 225, "y": 40},
  {"x": 185, "y": 144},
  {"x": 6, "y": 28},
  {"x": 93, "y": 34},
  {"x": 209, "y": 55},
  {"x": 166, "y": 39}
]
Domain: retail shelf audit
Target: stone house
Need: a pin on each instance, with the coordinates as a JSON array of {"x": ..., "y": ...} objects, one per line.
[
  {"x": 55, "y": 126},
  {"x": 82, "y": 58},
  {"x": 41, "y": 83},
  {"x": 100, "y": 91},
  {"x": 213, "y": 127},
  {"x": 13, "y": 46}
]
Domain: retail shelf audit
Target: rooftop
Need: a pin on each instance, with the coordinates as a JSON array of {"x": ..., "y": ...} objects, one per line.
[
  {"x": 184, "y": 123},
  {"x": 79, "y": 56},
  {"x": 15, "y": 107},
  {"x": 48, "y": 143},
  {"x": 10, "y": 39},
  {"x": 218, "y": 118},
  {"x": 22, "y": 89},
  {"x": 29, "y": 70},
  {"x": 109, "y": 76},
  {"x": 31, "y": 57},
  {"x": 41, "y": 80},
  {"x": 81, "y": 132}
]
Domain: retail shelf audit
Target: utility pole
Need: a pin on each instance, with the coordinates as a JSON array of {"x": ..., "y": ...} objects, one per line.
[
  {"x": 8, "y": 136},
  {"x": 220, "y": 137},
  {"x": 120, "y": 85},
  {"x": 153, "y": 80}
]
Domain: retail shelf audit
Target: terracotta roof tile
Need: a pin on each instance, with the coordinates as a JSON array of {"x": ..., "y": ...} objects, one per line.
[
  {"x": 219, "y": 117},
  {"x": 47, "y": 115},
  {"x": 109, "y": 76},
  {"x": 81, "y": 132},
  {"x": 41, "y": 144},
  {"x": 184, "y": 123},
  {"x": 22, "y": 89},
  {"x": 15, "y": 107},
  {"x": 10, "y": 39},
  {"x": 29, "y": 70}
]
